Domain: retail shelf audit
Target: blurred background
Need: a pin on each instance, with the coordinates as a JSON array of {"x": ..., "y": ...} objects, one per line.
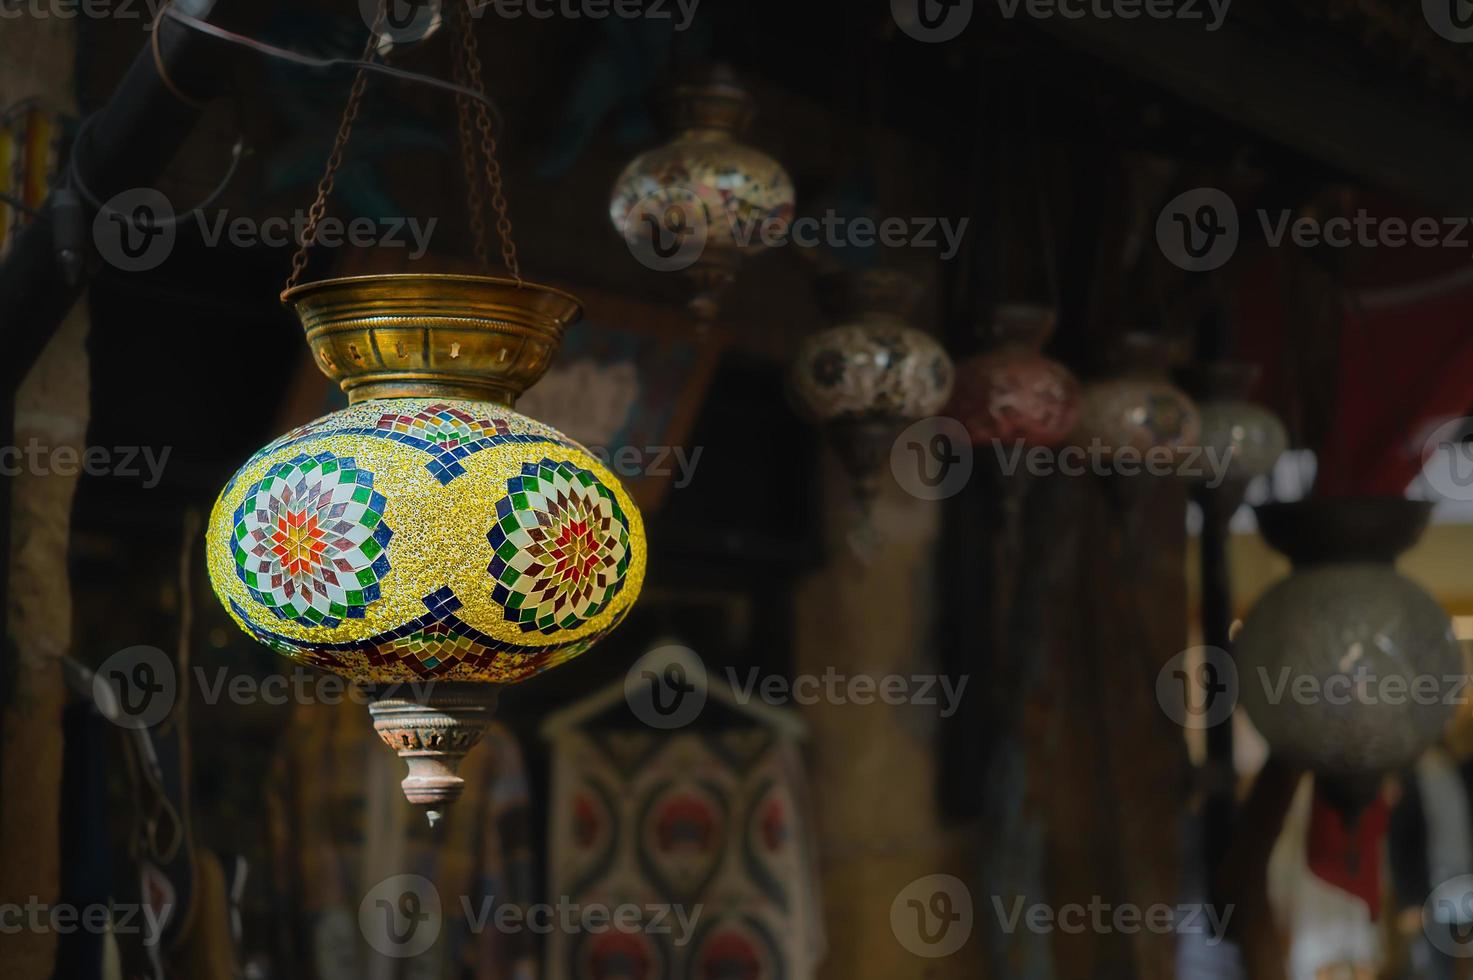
[{"x": 1050, "y": 423}]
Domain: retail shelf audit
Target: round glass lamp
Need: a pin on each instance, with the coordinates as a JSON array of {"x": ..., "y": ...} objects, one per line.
[
  {"x": 428, "y": 541},
  {"x": 1013, "y": 391},
  {"x": 711, "y": 198},
  {"x": 864, "y": 378},
  {"x": 1334, "y": 662}
]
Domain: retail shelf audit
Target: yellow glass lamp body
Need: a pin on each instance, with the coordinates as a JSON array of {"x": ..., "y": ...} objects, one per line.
[{"x": 428, "y": 532}]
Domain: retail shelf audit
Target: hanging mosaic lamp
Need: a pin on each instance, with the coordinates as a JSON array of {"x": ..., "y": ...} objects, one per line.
[
  {"x": 1012, "y": 391},
  {"x": 865, "y": 378},
  {"x": 428, "y": 532},
  {"x": 705, "y": 200},
  {"x": 428, "y": 541},
  {"x": 1250, "y": 437},
  {"x": 1333, "y": 660},
  {"x": 1137, "y": 407}
]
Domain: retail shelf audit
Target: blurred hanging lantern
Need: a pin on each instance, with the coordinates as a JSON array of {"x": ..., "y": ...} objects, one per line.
[
  {"x": 704, "y": 200},
  {"x": 1012, "y": 391},
  {"x": 1137, "y": 407},
  {"x": 864, "y": 379},
  {"x": 428, "y": 532},
  {"x": 1247, "y": 435},
  {"x": 1333, "y": 661}
]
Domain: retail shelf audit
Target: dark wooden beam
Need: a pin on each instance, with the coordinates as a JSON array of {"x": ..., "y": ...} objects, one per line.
[{"x": 1282, "y": 86}]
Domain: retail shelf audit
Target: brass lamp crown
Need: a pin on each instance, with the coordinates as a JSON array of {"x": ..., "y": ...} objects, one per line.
[{"x": 478, "y": 338}]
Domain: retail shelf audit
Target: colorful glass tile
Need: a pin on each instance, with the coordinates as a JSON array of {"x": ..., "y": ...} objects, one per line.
[{"x": 301, "y": 552}]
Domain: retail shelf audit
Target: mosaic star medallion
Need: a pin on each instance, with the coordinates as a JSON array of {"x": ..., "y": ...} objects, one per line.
[
  {"x": 333, "y": 545},
  {"x": 310, "y": 539},
  {"x": 562, "y": 547}
]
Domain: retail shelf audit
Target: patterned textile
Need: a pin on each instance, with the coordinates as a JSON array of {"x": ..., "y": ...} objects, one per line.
[
  {"x": 341, "y": 827},
  {"x": 713, "y": 823}
]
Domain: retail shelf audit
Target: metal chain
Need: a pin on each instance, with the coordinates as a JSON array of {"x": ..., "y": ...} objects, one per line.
[
  {"x": 475, "y": 200},
  {"x": 335, "y": 159},
  {"x": 471, "y": 53}
]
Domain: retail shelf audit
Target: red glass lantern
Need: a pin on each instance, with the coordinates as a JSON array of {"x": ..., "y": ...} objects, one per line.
[{"x": 1013, "y": 391}]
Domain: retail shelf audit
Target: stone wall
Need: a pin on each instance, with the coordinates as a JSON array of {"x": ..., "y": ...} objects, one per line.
[{"x": 51, "y": 408}]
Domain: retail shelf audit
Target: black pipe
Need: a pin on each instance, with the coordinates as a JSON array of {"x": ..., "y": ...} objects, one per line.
[{"x": 128, "y": 144}]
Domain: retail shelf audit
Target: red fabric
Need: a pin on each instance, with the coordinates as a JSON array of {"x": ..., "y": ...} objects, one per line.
[
  {"x": 1348, "y": 857},
  {"x": 1405, "y": 366},
  {"x": 1403, "y": 372}
]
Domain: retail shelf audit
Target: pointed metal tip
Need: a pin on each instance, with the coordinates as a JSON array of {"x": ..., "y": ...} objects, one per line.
[{"x": 434, "y": 817}]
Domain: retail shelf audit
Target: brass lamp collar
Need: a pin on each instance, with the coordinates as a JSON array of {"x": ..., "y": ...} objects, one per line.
[{"x": 479, "y": 338}]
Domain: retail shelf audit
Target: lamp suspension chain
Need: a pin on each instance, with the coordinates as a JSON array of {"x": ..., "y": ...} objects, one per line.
[
  {"x": 470, "y": 52},
  {"x": 475, "y": 199},
  {"x": 335, "y": 159},
  {"x": 467, "y": 72}
]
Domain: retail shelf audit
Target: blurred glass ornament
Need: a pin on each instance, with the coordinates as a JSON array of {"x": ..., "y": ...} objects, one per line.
[
  {"x": 428, "y": 532},
  {"x": 1137, "y": 407},
  {"x": 1013, "y": 391},
  {"x": 872, "y": 373},
  {"x": 1334, "y": 661},
  {"x": 1250, "y": 437},
  {"x": 705, "y": 200}
]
